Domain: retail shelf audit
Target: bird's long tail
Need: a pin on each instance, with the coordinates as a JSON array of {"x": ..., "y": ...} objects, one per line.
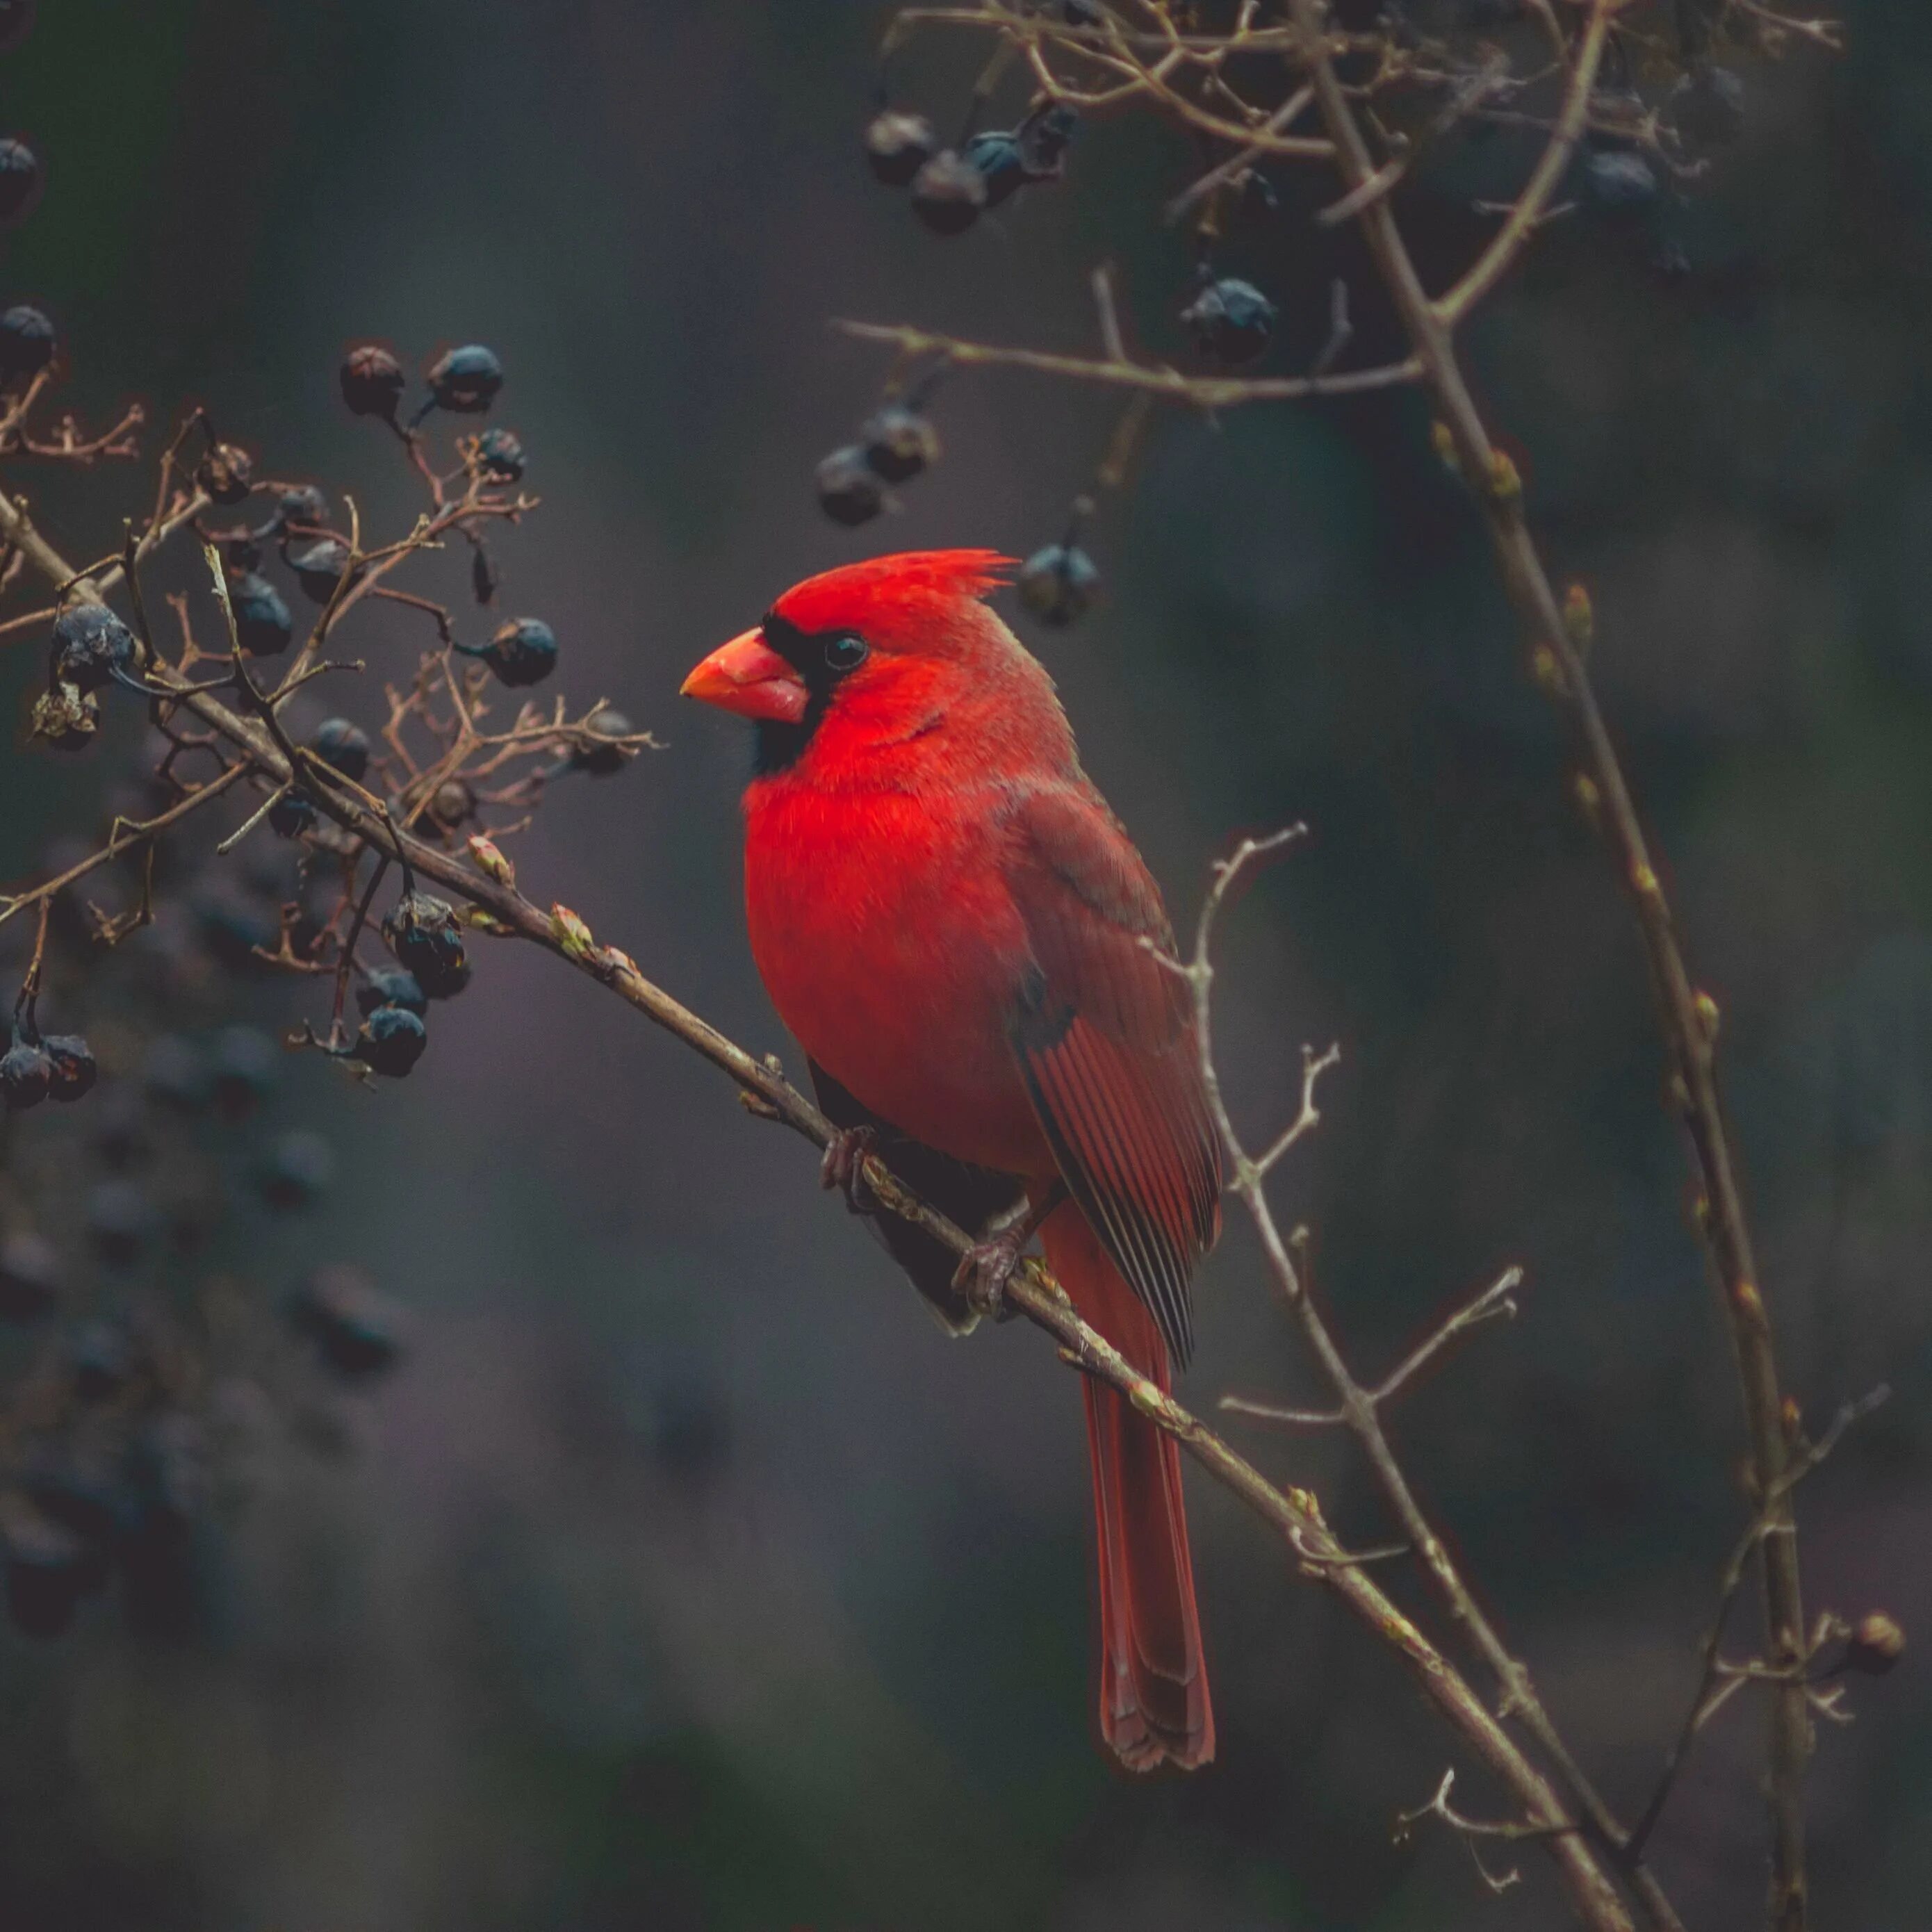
[{"x": 1154, "y": 1706}]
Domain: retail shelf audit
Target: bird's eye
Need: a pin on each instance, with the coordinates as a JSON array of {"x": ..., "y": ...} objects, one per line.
[{"x": 845, "y": 652}]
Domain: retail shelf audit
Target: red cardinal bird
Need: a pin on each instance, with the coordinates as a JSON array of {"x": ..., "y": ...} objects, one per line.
[{"x": 951, "y": 920}]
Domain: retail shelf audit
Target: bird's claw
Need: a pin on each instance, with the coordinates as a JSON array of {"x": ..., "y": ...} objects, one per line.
[
  {"x": 844, "y": 1167},
  {"x": 983, "y": 1274}
]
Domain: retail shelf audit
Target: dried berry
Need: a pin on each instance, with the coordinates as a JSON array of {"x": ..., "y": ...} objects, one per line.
[
  {"x": 20, "y": 181},
  {"x": 1876, "y": 1645},
  {"x": 26, "y": 1074},
  {"x": 948, "y": 193},
  {"x": 320, "y": 566},
  {"x": 1043, "y": 137},
  {"x": 850, "y": 491},
  {"x": 899, "y": 443},
  {"x": 262, "y": 626},
  {"x": 898, "y": 145},
  {"x": 452, "y": 803},
  {"x": 1230, "y": 320},
  {"x": 301, "y": 504},
  {"x": 424, "y": 935},
  {"x": 373, "y": 381},
  {"x": 65, "y": 718},
  {"x": 344, "y": 746},
  {"x": 482, "y": 572},
  {"x": 226, "y": 475},
  {"x": 297, "y": 1169},
  {"x": 357, "y": 1330},
  {"x": 499, "y": 455},
  {"x": 26, "y": 342},
  {"x": 390, "y": 986},
  {"x": 524, "y": 651},
  {"x": 247, "y": 1064},
  {"x": 120, "y": 1222},
  {"x": 1058, "y": 584},
  {"x": 92, "y": 647},
  {"x": 392, "y": 1040},
  {"x": 75, "y": 1071},
  {"x": 30, "y": 1277},
  {"x": 292, "y": 813},
  {"x": 466, "y": 380},
  {"x": 604, "y": 756}
]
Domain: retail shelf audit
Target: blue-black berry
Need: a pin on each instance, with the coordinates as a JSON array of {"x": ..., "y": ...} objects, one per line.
[
  {"x": 1058, "y": 584},
  {"x": 291, "y": 814},
  {"x": 392, "y": 1041},
  {"x": 604, "y": 754},
  {"x": 26, "y": 342},
  {"x": 20, "y": 181},
  {"x": 26, "y": 1074},
  {"x": 522, "y": 652},
  {"x": 500, "y": 454},
  {"x": 898, "y": 145},
  {"x": 92, "y": 647},
  {"x": 344, "y": 746},
  {"x": 390, "y": 986},
  {"x": 1617, "y": 183},
  {"x": 948, "y": 193},
  {"x": 899, "y": 443},
  {"x": 301, "y": 504},
  {"x": 75, "y": 1070},
  {"x": 226, "y": 475},
  {"x": 849, "y": 490},
  {"x": 319, "y": 566},
  {"x": 373, "y": 381},
  {"x": 1230, "y": 320},
  {"x": 466, "y": 380},
  {"x": 262, "y": 625},
  {"x": 424, "y": 935},
  {"x": 355, "y": 1330}
]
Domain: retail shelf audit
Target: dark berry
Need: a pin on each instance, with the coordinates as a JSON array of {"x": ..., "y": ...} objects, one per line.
[
  {"x": 1230, "y": 320},
  {"x": 241, "y": 552},
  {"x": 482, "y": 573},
  {"x": 48, "y": 1571},
  {"x": 226, "y": 475},
  {"x": 850, "y": 491},
  {"x": 16, "y": 22},
  {"x": 292, "y": 813},
  {"x": 120, "y": 1222},
  {"x": 1058, "y": 584},
  {"x": 1043, "y": 139},
  {"x": 344, "y": 746},
  {"x": 92, "y": 647},
  {"x": 1707, "y": 106},
  {"x": 898, "y": 145},
  {"x": 75, "y": 1071},
  {"x": 390, "y": 986},
  {"x": 26, "y": 342},
  {"x": 26, "y": 1074},
  {"x": 1001, "y": 162},
  {"x": 522, "y": 652},
  {"x": 30, "y": 1277},
  {"x": 466, "y": 380},
  {"x": 392, "y": 1040},
  {"x": 899, "y": 443},
  {"x": 604, "y": 755},
  {"x": 373, "y": 381},
  {"x": 20, "y": 181},
  {"x": 355, "y": 1330},
  {"x": 302, "y": 504},
  {"x": 1616, "y": 182},
  {"x": 500, "y": 454},
  {"x": 320, "y": 566},
  {"x": 262, "y": 625},
  {"x": 948, "y": 193},
  {"x": 235, "y": 930},
  {"x": 297, "y": 1168},
  {"x": 247, "y": 1064},
  {"x": 424, "y": 935},
  {"x": 175, "y": 1074},
  {"x": 1876, "y": 1643}
]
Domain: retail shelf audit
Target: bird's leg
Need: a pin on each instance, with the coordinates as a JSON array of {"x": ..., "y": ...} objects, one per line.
[
  {"x": 844, "y": 1167},
  {"x": 987, "y": 1266}
]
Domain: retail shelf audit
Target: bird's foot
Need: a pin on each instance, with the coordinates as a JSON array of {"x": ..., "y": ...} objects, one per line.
[
  {"x": 844, "y": 1167},
  {"x": 985, "y": 1268}
]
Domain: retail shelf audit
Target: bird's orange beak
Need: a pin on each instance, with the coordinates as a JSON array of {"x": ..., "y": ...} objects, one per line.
[{"x": 748, "y": 676}]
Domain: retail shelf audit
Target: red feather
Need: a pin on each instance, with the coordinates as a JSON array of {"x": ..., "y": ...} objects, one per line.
[{"x": 957, "y": 929}]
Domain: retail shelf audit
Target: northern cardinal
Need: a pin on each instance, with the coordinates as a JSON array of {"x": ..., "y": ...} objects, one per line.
[{"x": 953, "y": 923}]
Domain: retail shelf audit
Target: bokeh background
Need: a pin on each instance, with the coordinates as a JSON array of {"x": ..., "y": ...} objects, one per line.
[{"x": 685, "y": 1577}]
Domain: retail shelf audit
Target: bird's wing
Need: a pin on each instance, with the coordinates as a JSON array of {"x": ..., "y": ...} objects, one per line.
[
  {"x": 1104, "y": 1036},
  {"x": 972, "y": 1196}
]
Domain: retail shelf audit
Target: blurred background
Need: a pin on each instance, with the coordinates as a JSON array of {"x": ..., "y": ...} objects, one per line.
[{"x": 682, "y": 1575}]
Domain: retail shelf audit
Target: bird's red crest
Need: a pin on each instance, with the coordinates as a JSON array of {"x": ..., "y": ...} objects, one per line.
[{"x": 874, "y": 595}]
